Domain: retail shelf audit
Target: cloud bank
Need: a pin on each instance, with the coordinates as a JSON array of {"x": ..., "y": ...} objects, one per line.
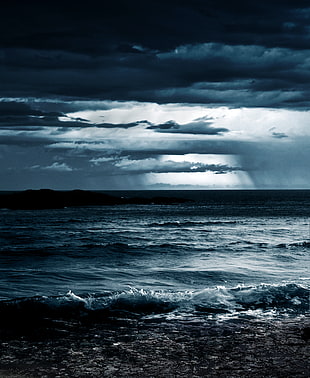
[{"x": 123, "y": 94}]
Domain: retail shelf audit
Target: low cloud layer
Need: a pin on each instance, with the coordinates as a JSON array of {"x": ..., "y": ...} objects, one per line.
[
  {"x": 217, "y": 74},
  {"x": 125, "y": 165},
  {"x": 196, "y": 127},
  {"x": 240, "y": 54}
]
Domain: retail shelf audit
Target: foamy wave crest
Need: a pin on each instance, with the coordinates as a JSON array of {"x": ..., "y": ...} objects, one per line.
[
  {"x": 282, "y": 299},
  {"x": 287, "y": 298}
]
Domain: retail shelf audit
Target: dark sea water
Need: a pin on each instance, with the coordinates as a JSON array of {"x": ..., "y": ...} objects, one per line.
[{"x": 228, "y": 253}]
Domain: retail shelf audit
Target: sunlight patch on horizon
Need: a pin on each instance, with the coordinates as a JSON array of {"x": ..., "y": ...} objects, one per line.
[{"x": 201, "y": 180}]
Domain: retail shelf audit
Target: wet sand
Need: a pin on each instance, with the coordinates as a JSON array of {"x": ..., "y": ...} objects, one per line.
[{"x": 136, "y": 348}]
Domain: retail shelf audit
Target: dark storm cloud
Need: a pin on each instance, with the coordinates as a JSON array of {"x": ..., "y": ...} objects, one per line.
[
  {"x": 22, "y": 116},
  {"x": 99, "y": 26},
  {"x": 279, "y": 135},
  {"x": 16, "y": 109},
  {"x": 206, "y": 73},
  {"x": 37, "y": 115},
  {"x": 197, "y": 127},
  {"x": 166, "y": 51}
]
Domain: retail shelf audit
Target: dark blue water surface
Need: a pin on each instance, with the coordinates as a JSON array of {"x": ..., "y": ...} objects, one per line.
[{"x": 231, "y": 252}]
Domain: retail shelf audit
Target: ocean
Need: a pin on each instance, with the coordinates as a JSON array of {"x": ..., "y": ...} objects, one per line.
[{"x": 224, "y": 255}]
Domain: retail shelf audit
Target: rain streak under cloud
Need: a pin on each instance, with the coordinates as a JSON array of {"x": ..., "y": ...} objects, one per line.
[{"x": 193, "y": 94}]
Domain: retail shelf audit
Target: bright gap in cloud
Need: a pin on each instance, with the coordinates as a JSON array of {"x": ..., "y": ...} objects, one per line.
[
  {"x": 200, "y": 180},
  {"x": 243, "y": 123},
  {"x": 152, "y": 112},
  {"x": 229, "y": 160},
  {"x": 209, "y": 179}
]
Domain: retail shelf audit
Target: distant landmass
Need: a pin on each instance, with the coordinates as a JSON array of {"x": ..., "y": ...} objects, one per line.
[{"x": 52, "y": 199}]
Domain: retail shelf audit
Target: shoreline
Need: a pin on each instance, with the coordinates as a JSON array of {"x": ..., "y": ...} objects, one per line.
[{"x": 137, "y": 348}]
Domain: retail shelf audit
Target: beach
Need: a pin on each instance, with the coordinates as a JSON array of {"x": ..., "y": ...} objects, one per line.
[{"x": 209, "y": 348}]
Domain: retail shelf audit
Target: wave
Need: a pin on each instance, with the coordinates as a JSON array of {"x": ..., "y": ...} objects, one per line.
[
  {"x": 190, "y": 223},
  {"x": 88, "y": 308},
  {"x": 287, "y": 299},
  {"x": 300, "y": 244}
]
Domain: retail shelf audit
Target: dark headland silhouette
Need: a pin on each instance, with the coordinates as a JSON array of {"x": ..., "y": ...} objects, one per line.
[{"x": 52, "y": 199}]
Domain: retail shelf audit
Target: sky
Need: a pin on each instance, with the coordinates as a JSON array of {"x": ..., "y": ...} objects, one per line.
[{"x": 157, "y": 94}]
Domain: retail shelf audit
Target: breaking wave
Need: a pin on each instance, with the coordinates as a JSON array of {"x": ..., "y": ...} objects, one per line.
[{"x": 281, "y": 299}]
